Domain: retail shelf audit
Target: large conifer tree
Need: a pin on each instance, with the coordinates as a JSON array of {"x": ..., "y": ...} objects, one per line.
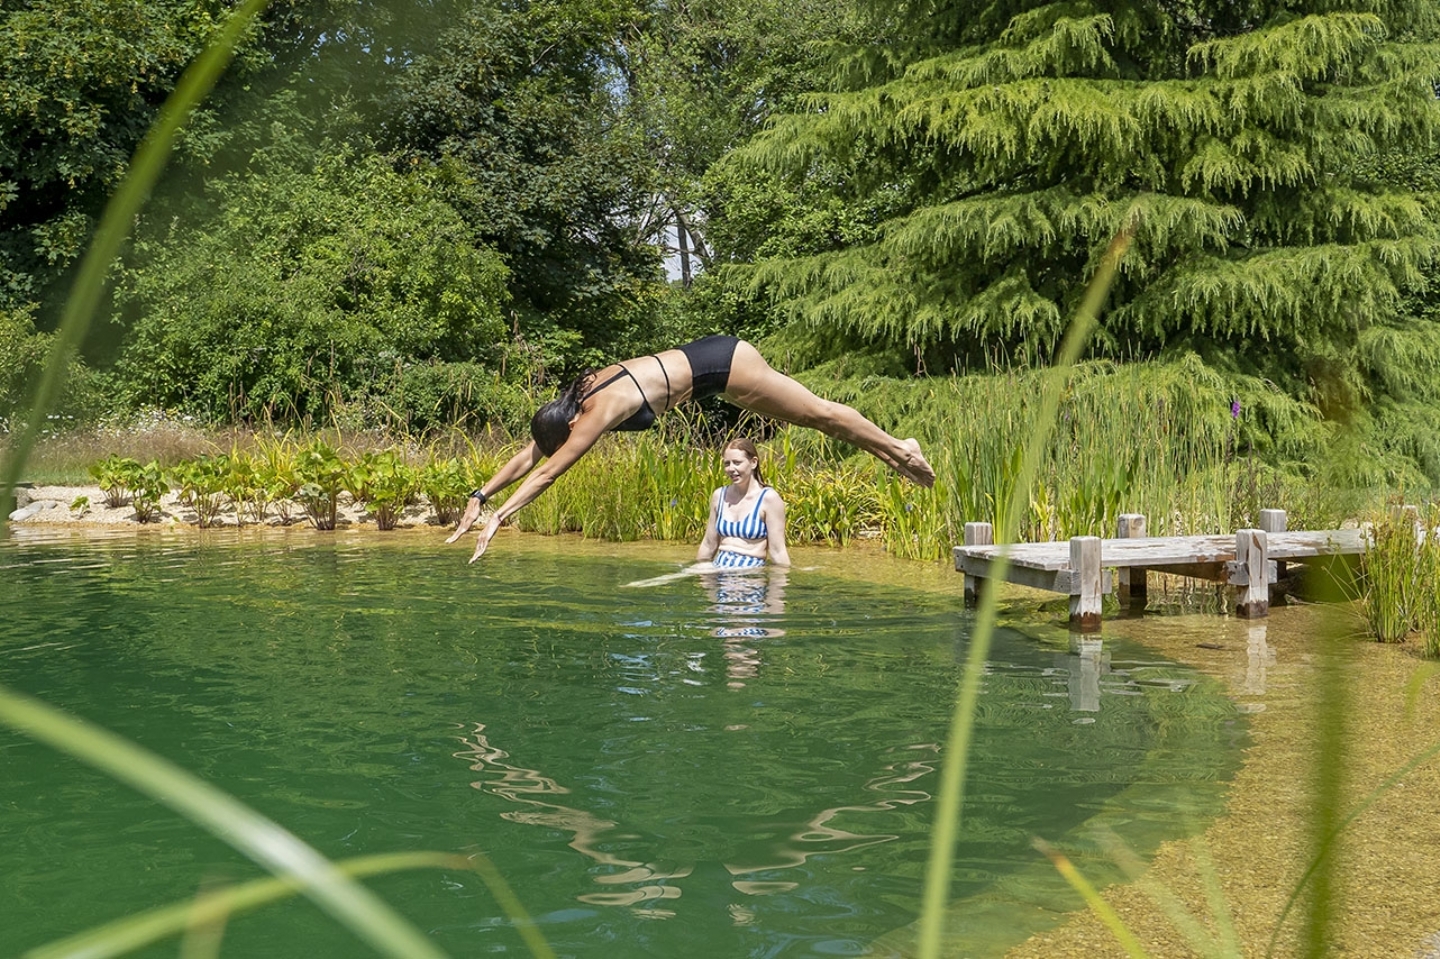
[{"x": 1009, "y": 140}]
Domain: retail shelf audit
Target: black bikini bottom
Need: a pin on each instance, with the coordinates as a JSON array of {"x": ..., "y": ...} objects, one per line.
[{"x": 710, "y": 358}]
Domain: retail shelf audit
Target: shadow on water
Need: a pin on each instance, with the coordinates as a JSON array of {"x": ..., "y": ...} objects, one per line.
[{"x": 723, "y": 765}]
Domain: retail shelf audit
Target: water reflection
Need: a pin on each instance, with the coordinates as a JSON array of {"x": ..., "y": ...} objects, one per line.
[
  {"x": 1259, "y": 658},
  {"x": 1087, "y": 662},
  {"x": 745, "y": 602},
  {"x": 651, "y": 882}
]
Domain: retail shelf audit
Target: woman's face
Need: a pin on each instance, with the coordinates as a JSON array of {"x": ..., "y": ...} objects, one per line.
[{"x": 738, "y": 465}]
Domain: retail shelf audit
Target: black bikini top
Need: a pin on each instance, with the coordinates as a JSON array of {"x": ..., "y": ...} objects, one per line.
[{"x": 644, "y": 417}]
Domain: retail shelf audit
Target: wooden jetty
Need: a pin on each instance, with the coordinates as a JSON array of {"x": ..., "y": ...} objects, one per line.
[{"x": 1251, "y": 559}]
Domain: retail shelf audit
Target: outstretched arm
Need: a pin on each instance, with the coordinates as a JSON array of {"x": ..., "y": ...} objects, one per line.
[
  {"x": 583, "y": 435},
  {"x": 711, "y": 541},
  {"x": 519, "y": 464}
]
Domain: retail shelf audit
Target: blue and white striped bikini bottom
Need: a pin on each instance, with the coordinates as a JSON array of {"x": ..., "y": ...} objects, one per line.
[{"x": 729, "y": 560}]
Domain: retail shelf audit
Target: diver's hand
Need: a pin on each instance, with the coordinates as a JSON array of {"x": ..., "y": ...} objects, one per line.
[
  {"x": 482, "y": 543},
  {"x": 467, "y": 520}
]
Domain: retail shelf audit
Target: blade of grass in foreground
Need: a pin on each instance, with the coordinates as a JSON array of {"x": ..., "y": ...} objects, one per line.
[
  {"x": 1224, "y": 943},
  {"x": 227, "y": 818},
  {"x": 1066, "y": 868},
  {"x": 957, "y": 744},
  {"x": 134, "y": 932},
  {"x": 145, "y": 168}
]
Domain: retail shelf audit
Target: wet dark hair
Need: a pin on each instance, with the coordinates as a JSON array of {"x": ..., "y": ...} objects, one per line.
[
  {"x": 550, "y": 426},
  {"x": 748, "y": 448}
]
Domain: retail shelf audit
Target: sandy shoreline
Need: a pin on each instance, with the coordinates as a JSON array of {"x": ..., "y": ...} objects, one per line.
[{"x": 1389, "y": 856}]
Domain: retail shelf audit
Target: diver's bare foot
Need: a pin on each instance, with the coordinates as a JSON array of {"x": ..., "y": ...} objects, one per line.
[{"x": 917, "y": 467}]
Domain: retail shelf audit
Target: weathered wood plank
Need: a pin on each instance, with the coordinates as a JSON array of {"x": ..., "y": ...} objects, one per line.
[
  {"x": 1251, "y": 553},
  {"x": 1085, "y": 567},
  {"x": 1157, "y": 551},
  {"x": 1056, "y": 581},
  {"x": 1130, "y": 580}
]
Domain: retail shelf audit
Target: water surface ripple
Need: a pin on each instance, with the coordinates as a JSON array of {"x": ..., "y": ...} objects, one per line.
[{"x": 723, "y": 767}]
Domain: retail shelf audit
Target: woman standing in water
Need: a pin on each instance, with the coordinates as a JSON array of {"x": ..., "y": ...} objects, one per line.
[
  {"x": 631, "y": 395},
  {"x": 747, "y": 518}
]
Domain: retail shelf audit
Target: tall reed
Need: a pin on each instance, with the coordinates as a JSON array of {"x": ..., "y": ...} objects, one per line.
[
  {"x": 1397, "y": 581},
  {"x": 1427, "y": 586}
]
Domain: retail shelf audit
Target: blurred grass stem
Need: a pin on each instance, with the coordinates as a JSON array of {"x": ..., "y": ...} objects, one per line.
[
  {"x": 262, "y": 840},
  {"x": 957, "y": 746},
  {"x": 149, "y": 162}
]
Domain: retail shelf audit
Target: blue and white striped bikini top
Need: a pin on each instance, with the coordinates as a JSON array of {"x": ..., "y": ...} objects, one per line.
[{"x": 751, "y": 527}]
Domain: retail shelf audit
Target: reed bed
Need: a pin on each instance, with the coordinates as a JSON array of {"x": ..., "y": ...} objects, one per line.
[
  {"x": 1396, "y": 584},
  {"x": 1128, "y": 439}
]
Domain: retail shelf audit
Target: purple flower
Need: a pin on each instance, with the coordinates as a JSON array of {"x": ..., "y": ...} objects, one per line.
[{"x": 1234, "y": 409}]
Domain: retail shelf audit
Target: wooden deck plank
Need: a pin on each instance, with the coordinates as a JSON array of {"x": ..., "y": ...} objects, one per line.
[
  {"x": 1156, "y": 552},
  {"x": 1249, "y": 559}
]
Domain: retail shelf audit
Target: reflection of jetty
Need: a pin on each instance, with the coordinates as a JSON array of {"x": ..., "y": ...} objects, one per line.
[{"x": 1251, "y": 560}]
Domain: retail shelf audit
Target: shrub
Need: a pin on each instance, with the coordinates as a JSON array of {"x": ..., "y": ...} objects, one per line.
[
  {"x": 321, "y": 476},
  {"x": 114, "y": 474},
  {"x": 384, "y": 483}
]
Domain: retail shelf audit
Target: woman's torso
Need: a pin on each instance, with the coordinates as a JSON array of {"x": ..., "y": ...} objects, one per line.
[
  {"x": 741, "y": 525},
  {"x": 632, "y": 394}
]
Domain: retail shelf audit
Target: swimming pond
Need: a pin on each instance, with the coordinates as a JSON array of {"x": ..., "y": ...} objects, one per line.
[{"x": 716, "y": 767}]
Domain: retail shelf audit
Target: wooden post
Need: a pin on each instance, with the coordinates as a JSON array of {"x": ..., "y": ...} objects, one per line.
[
  {"x": 976, "y": 534},
  {"x": 1274, "y": 521},
  {"x": 1085, "y": 586},
  {"x": 1131, "y": 582},
  {"x": 1251, "y": 553}
]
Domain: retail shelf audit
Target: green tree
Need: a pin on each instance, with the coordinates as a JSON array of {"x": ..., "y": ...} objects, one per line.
[
  {"x": 340, "y": 282},
  {"x": 1004, "y": 144},
  {"x": 519, "y": 111},
  {"x": 704, "y": 76},
  {"x": 23, "y": 351},
  {"x": 80, "y": 83}
]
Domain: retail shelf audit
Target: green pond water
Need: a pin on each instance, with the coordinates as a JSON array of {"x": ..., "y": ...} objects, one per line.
[{"x": 730, "y": 768}]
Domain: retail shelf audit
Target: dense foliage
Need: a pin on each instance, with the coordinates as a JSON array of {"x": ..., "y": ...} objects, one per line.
[
  {"x": 428, "y": 212},
  {"x": 1002, "y": 147},
  {"x": 80, "y": 83},
  {"x": 317, "y": 289}
]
